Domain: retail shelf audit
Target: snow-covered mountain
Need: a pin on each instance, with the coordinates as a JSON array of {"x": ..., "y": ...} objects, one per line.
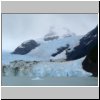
[
  {"x": 46, "y": 50},
  {"x": 48, "y": 58},
  {"x": 41, "y": 50},
  {"x": 51, "y": 45},
  {"x": 69, "y": 47}
]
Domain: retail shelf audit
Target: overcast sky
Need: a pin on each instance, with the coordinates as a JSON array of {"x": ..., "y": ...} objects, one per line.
[{"x": 17, "y": 28}]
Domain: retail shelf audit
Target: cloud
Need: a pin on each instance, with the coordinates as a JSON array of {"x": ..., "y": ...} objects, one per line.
[{"x": 17, "y": 28}]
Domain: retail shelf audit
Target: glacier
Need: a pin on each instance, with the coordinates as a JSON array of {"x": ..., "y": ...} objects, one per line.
[
  {"x": 42, "y": 69},
  {"x": 39, "y": 63}
]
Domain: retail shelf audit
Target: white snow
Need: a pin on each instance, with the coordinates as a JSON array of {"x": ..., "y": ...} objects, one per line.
[
  {"x": 21, "y": 46},
  {"x": 26, "y": 41},
  {"x": 46, "y": 49},
  {"x": 7, "y": 57}
]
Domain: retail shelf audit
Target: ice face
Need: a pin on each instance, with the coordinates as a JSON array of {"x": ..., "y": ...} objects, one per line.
[{"x": 48, "y": 69}]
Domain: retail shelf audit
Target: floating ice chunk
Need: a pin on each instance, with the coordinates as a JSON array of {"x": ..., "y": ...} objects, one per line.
[{"x": 37, "y": 78}]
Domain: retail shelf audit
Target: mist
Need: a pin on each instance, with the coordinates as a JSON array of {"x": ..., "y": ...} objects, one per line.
[{"x": 17, "y": 28}]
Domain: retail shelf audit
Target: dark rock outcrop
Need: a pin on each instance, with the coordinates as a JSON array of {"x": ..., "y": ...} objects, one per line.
[
  {"x": 85, "y": 46},
  {"x": 60, "y": 50},
  {"x": 51, "y": 38},
  {"x": 90, "y": 64},
  {"x": 26, "y": 47},
  {"x": 51, "y": 35},
  {"x": 88, "y": 47}
]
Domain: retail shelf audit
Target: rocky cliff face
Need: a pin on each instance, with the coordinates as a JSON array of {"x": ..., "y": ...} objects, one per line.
[
  {"x": 88, "y": 47},
  {"x": 85, "y": 45},
  {"x": 90, "y": 64}
]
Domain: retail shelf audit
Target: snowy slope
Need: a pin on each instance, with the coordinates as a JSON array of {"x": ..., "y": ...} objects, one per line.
[
  {"x": 46, "y": 49},
  {"x": 59, "y": 57}
]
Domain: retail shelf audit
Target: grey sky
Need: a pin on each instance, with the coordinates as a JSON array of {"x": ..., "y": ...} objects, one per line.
[{"x": 17, "y": 28}]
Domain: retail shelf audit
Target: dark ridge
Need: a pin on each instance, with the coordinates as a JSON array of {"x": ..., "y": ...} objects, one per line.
[
  {"x": 85, "y": 46},
  {"x": 60, "y": 50},
  {"x": 26, "y": 47}
]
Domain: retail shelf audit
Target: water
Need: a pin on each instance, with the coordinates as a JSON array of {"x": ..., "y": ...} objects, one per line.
[{"x": 62, "y": 81}]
